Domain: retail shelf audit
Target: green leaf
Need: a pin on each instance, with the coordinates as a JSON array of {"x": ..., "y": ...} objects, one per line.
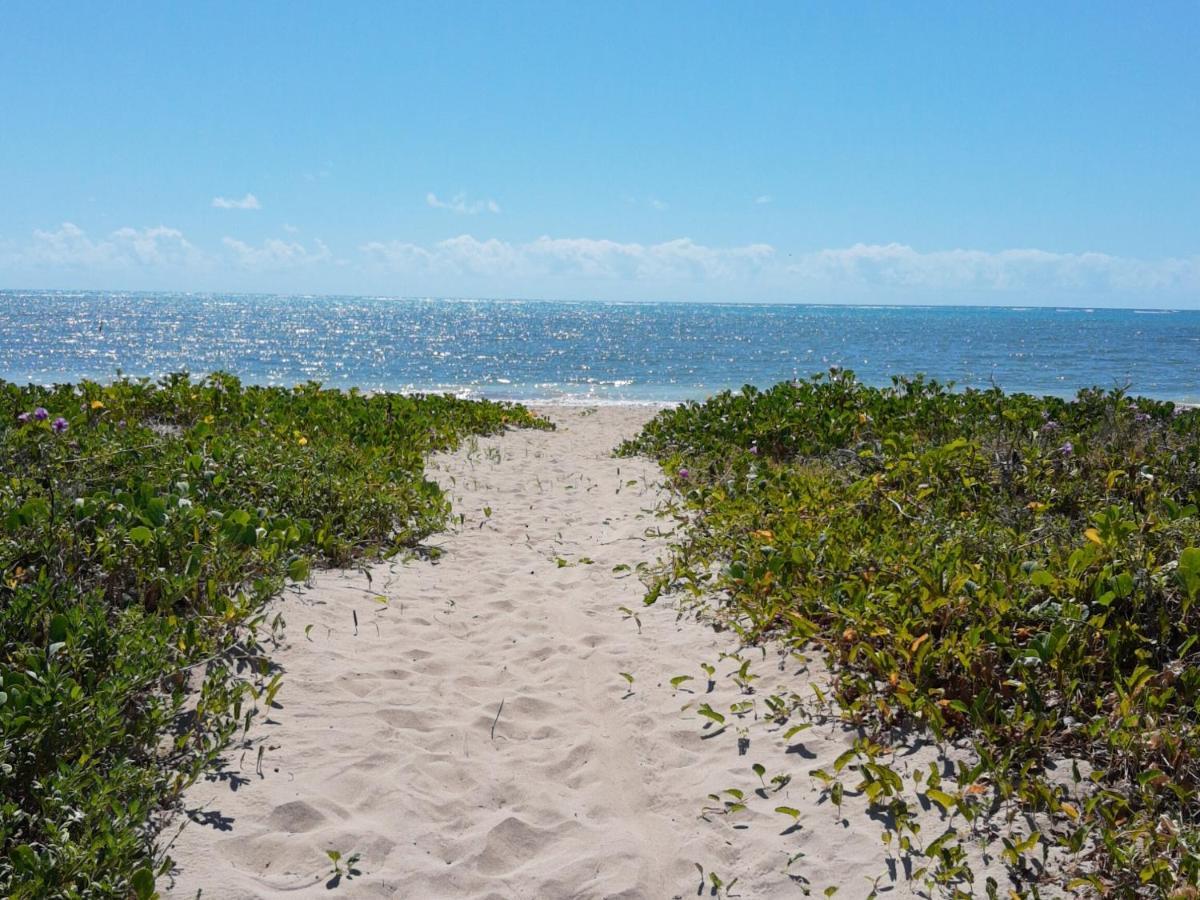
[
  {"x": 1042, "y": 578},
  {"x": 298, "y": 569},
  {"x": 680, "y": 679},
  {"x": 942, "y": 799},
  {"x": 58, "y": 628},
  {"x": 709, "y": 713},
  {"x": 142, "y": 883},
  {"x": 24, "y": 859},
  {"x": 788, "y": 811},
  {"x": 842, "y": 761},
  {"x": 141, "y": 535}
]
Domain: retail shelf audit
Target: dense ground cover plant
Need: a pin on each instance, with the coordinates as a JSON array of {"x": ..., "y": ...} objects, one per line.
[
  {"x": 1017, "y": 572},
  {"x": 142, "y": 528}
]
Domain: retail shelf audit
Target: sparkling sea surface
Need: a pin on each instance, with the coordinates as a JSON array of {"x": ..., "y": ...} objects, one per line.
[{"x": 587, "y": 352}]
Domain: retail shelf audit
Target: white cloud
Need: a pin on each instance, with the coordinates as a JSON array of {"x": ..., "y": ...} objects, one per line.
[
  {"x": 247, "y": 202},
  {"x": 274, "y": 253},
  {"x": 651, "y": 201},
  {"x": 900, "y": 266},
  {"x": 575, "y": 266},
  {"x": 888, "y": 267},
  {"x": 577, "y": 257},
  {"x": 70, "y": 246},
  {"x": 290, "y": 229},
  {"x": 458, "y": 204},
  {"x": 763, "y": 199}
]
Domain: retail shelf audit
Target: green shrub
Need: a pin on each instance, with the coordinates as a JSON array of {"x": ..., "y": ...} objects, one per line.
[
  {"x": 1019, "y": 571},
  {"x": 142, "y": 528}
]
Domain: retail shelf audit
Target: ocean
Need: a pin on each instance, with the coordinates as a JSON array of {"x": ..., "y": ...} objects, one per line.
[{"x": 588, "y": 352}]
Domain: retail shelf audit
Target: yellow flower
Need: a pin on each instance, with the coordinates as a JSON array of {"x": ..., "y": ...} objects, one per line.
[
  {"x": 97, "y": 404},
  {"x": 302, "y": 441},
  {"x": 208, "y": 420}
]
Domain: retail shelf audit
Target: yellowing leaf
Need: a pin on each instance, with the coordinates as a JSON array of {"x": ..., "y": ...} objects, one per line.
[
  {"x": 1070, "y": 810},
  {"x": 765, "y": 534},
  {"x": 97, "y": 404},
  {"x": 918, "y": 642},
  {"x": 1094, "y": 536},
  {"x": 941, "y": 798}
]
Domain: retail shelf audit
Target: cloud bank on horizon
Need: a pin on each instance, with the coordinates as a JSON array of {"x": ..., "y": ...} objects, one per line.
[{"x": 580, "y": 268}]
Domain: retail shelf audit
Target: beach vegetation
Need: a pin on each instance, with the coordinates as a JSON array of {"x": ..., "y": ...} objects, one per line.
[
  {"x": 1012, "y": 577},
  {"x": 143, "y": 528}
]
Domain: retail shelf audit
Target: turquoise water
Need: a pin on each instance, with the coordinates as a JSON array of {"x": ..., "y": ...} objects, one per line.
[{"x": 587, "y": 352}]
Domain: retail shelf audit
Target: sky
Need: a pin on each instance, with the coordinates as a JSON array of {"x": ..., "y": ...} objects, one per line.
[{"x": 1005, "y": 153}]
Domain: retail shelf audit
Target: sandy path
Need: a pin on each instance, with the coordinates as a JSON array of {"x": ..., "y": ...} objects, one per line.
[{"x": 388, "y": 743}]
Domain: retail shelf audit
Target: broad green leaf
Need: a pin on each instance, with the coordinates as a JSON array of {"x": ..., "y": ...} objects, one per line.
[{"x": 141, "y": 535}]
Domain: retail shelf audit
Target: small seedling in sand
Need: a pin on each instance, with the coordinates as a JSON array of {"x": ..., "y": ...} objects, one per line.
[
  {"x": 679, "y": 680},
  {"x": 628, "y": 613},
  {"x": 741, "y": 708},
  {"x": 719, "y": 887},
  {"x": 725, "y": 807},
  {"x": 743, "y": 679},
  {"x": 347, "y": 869},
  {"x": 629, "y": 681}
]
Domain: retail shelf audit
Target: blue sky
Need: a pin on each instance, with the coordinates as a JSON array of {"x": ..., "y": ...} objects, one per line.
[{"x": 937, "y": 153}]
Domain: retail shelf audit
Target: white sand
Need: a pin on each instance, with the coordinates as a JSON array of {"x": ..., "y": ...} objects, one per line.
[{"x": 383, "y": 744}]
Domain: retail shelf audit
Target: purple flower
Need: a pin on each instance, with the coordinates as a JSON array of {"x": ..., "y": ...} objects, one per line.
[
  {"x": 1066, "y": 449},
  {"x": 59, "y": 425},
  {"x": 1049, "y": 426},
  {"x": 683, "y": 473},
  {"x": 24, "y": 418},
  {"x": 1141, "y": 417},
  {"x": 40, "y": 414},
  {"x": 754, "y": 449}
]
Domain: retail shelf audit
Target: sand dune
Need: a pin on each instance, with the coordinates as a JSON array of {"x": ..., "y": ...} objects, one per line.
[{"x": 472, "y": 736}]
